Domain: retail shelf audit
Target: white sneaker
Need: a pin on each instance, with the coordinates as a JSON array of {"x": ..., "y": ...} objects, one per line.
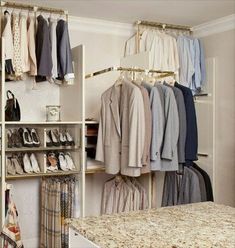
[
  {"x": 34, "y": 163},
  {"x": 69, "y": 160},
  {"x": 27, "y": 165}
]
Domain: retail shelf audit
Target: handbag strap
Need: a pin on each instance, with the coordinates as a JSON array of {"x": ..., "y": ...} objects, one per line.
[{"x": 11, "y": 94}]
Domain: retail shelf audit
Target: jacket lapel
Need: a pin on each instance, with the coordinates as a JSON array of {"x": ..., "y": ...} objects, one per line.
[{"x": 114, "y": 105}]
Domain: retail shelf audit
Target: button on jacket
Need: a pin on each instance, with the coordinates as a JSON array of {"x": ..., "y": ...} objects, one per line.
[{"x": 121, "y": 130}]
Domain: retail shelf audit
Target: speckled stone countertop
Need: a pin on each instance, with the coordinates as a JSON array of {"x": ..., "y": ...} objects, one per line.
[{"x": 195, "y": 225}]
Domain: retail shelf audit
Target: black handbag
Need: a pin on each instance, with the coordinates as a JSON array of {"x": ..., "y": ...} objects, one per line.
[{"x": 12, "y": 108}]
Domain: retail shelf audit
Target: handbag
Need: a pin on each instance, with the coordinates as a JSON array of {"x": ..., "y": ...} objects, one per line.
[{"x": 12, "y": 108}]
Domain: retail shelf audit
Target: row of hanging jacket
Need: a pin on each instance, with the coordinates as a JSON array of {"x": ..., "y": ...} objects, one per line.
[
  {"x": 190, "y": 186},
  {"x": 39, "y": 47},
  {"x": 168, "y": 52},
  {"x": 146, "y": 127},
  {"x": 123, "y": 194}
]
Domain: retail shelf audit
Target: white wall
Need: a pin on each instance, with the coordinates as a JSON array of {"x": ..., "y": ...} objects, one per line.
[{"x": 222, "y": 47}]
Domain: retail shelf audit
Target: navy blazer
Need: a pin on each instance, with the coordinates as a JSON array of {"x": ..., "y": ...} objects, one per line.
[{"x": 191, "y": 144}]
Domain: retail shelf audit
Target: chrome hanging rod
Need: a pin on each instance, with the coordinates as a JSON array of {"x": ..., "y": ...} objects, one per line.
[
  {"x": 15, "y": 5},
  {"x": 166, "y": 73},
  {"x": 163, "y": 25}
]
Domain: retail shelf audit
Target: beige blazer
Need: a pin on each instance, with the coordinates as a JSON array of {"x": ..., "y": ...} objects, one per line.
[{"x": 121, "y": 130}]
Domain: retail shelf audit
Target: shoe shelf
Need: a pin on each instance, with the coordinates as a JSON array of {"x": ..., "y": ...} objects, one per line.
[
  {"x": 47, "y": 174},
  {"x": 39, "y": 149},
  {"x": 45, "y": 123}
]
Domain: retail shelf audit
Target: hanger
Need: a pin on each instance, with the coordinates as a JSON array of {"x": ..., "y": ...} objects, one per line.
[
  {"x": 120, "y": 79},
  {"x": 118, "y": 179}
]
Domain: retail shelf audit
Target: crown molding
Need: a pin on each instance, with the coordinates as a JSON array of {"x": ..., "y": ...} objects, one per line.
[
  {"x": 214, "y": 27},
  {"x": 100, "y": 26}
]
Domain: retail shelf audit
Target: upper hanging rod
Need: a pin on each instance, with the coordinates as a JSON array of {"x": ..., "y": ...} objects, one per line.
[
  {"x": 32, "y": 8},
  {"x": 166, "y": 73},
  {"x": 163, "y": 25}
]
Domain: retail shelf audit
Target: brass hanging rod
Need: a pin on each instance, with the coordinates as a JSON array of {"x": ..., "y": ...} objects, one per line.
[
  {"x": 32, "y": 7},
  {"x": 163, "y": 25},
  {"x": 166, "y": 73}
]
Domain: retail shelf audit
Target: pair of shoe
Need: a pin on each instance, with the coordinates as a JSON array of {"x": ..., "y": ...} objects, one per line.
[
  {"x": 22, "y": 137},
  {"x": 30, "y": 163},
  {"x": 55, "y": 138},
  {"x": 13, "y": 138},
  {"x": 62, "y": 161},
  {"x": 13, "y": 166},
  {"x": 30, "y": 137}
]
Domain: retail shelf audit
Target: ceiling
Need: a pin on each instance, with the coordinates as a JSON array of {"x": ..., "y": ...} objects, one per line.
[{"x": 184, "y": 12}]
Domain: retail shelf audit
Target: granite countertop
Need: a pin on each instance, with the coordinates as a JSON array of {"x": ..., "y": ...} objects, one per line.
[{"x": 196, "y": 225}]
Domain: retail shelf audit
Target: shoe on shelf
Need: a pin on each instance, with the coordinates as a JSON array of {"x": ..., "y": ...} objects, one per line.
[
  {"x": 62, "y": 162},
  {"x": 52, "y": 162},
  {"x": 63, "y": 141},
  {"x": 16, "y": 138},
  {"x": 34, "y": 163},
  {"x": 69, "y": 160},
  {"x": 10, "y": 167},
  {"x": 35, "y": 137},
  {"x": 27, "y": 139},
  {"x": 48, "y": 140},
  {"x": 54, "y": 138},
  {"x": 69, "y": 139},
  {"x": 15, "y": 161},
  {"x": 27, "y": 164},
  {"x": 10, "y": 143}
]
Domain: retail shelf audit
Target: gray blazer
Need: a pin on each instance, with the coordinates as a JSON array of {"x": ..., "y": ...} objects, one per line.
[
  {"x": 169, "y": 153},
  {"x": 121, "y": 130},
  {"x": 190, "y": 188},
  {"x": 182, "y": 123},
  {"x": 170, "y": 190}
]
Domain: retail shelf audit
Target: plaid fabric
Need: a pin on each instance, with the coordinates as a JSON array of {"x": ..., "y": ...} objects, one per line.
[
  {"x": 56, "y": 205},
  {"x": 50, "y": 215}
]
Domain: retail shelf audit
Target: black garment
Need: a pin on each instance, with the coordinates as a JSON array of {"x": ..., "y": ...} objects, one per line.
[
  {"x": 191, "y": 144},
  {"x": 64, "y": 55},
  {"x": 209, "y": 191},
  {"x": 43, "y": 50}
]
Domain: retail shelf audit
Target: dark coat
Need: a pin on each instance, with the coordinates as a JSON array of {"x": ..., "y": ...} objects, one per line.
[{"x": 191, "y": 144}]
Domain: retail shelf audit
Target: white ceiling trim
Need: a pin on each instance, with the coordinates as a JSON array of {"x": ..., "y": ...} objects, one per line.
[
  {"x": 124, "y": 29},
  {"x": 100, "y": 26},
  {"x": 214, "y": 27}
]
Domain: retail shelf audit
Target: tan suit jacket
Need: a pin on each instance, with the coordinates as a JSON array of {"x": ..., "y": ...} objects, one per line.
[{"x": 121, "y": 130}]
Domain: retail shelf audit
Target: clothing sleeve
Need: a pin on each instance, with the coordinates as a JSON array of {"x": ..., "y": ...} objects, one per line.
[
  {"x": 197, "y": 76},
  {"x": 157, "y": 124},
  {"x": 101, "y": 133},
  {"x": 136, "y": 129}
]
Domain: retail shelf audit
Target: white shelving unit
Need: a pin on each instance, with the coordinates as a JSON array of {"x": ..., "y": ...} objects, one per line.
[{"x": 71, "y": 100}]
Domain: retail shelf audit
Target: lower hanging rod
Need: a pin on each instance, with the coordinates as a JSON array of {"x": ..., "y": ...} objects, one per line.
[{"x": 166, "y": 73}]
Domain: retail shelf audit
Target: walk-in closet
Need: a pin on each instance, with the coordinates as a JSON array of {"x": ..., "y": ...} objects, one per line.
[{"x": 117, "y": 124}]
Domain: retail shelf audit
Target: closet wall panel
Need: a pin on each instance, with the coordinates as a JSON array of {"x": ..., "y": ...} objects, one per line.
[{"x": 222, "y": 46}]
